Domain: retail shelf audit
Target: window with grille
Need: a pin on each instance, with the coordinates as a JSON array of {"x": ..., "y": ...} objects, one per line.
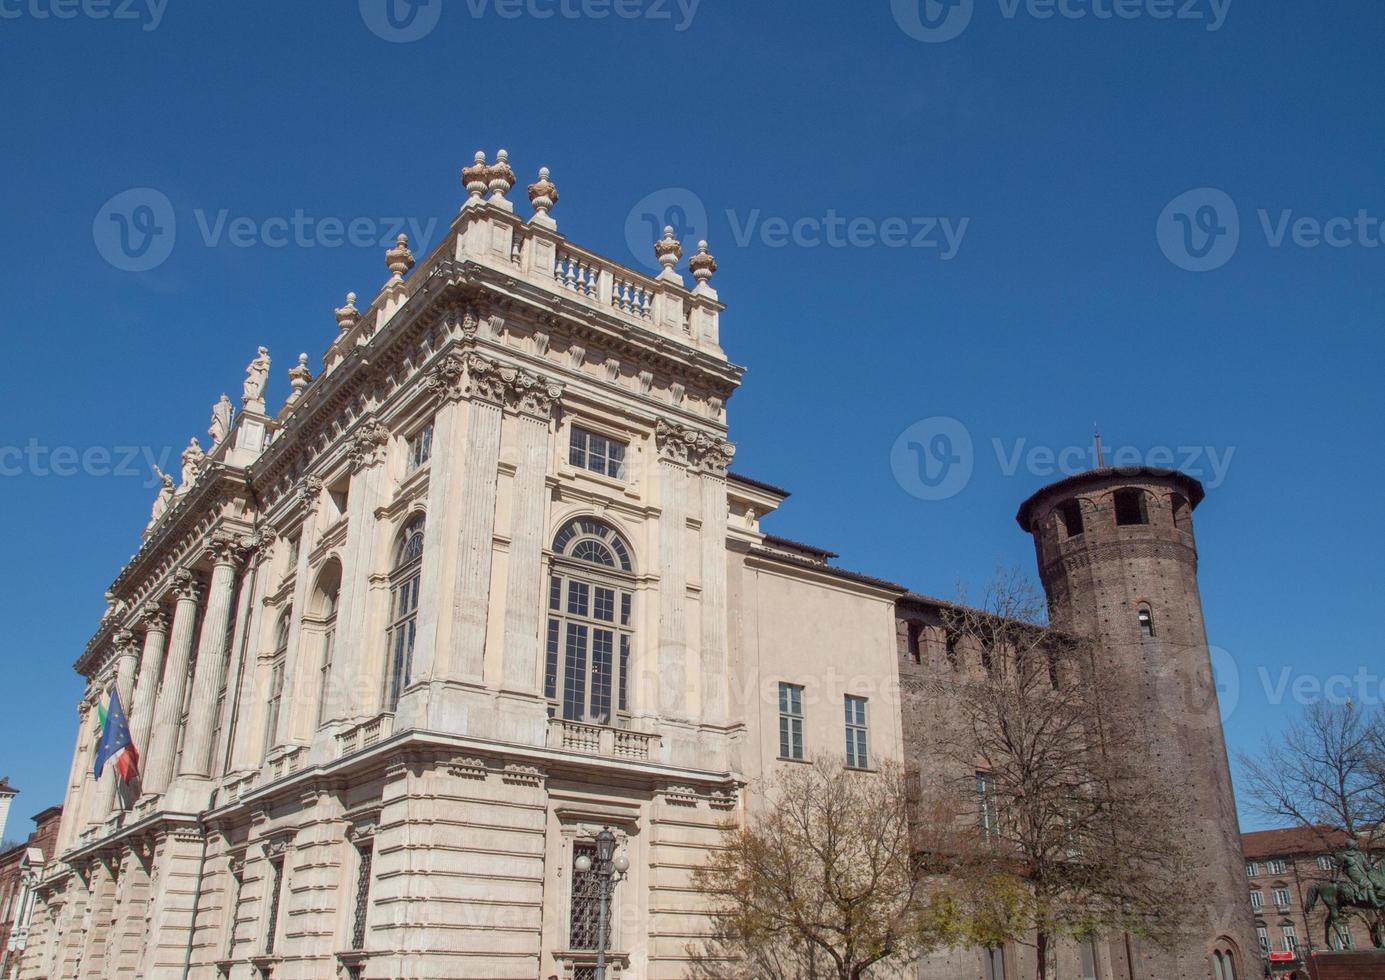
[
  {"x": 365, "y": 860},
  {"x": 1146, "y": 619},
  {"x": 598, "y": 454},
  {"x": 420, "y": 447},
  {"x": 586, "y": 899},
  {"x": 276, "y": 889},
  {"x": 987, "y": 805},
  {"x": 856, "y": 732},
  {"x": 403, "y": 628},
  {"x": 589, "y": 632},
  {"x": 790, "y": 721}
]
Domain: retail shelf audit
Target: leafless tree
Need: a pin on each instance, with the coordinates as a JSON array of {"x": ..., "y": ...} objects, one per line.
[
  {"x": 823, "y": 880},
  {"x": 1326, "y": 772},
  {"x": 1080, "y": 836}
]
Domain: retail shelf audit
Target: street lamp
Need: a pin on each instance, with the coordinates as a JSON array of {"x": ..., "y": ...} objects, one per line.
[{"x": 609, "y": 870}]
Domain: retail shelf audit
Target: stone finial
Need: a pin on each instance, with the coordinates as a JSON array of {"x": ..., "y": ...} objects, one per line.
[
  {"x": 348, "y": 314},
  {"x": 476, "y": 179},
  {"x": 500, "y": 176},
  {"x": 299, "y": 378},
  {"x": 543, "y": 195},
  {"x": 668, "y": 250},
  {"x": 703, "y": 265},
  {"x": 399, "y": 259}
]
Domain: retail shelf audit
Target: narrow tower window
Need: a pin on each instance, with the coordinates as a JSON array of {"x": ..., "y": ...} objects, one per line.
[
  {"x": 404, "y": 585},
  {"x": 1180, "y": 512},
  {"x": 1130, "y": 508},
  {"x": 1146, "y": 617},
  {"x": 1071, "y": 513}
]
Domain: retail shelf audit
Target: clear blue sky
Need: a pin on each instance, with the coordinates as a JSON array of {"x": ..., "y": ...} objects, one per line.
[{"x": 1059, "y": 142}]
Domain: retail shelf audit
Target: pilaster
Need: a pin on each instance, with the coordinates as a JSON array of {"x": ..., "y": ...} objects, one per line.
[
  {"x": 297, "y": 712},
  {"x": 227, "y": 552},
  {"x": 168, "y": 710}
]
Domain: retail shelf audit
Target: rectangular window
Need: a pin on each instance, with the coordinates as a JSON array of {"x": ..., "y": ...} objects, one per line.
[
  {"x": 987, "y": 805},
  {"x": 366, "y": 859},
  {"x": 276, "y": 698},
  {"x": 1263, "y": 934},
  {"x": 603, "y": 644},
  {"x": 1324, "y": 863},
  {"x": 790, "y": 721},
  {"x": 1252, "y": 869},
  {"x": 1290, "y": 939},
  {"x": 598, "y": 454},
  {"x": 604, "y": 604},
  {"x": 555, "y": 593},
  {"x": 578, "y": 598},
  {"x": 550, "y": 662},
  {"x": 1281, "y": 898},
  {"x": 1130, "y": 508},
  {"x": 276, "y": 888},
  {"x": 420, "y": 447},
  {"x": 857, "y": 756},
  {"x": 624, "y": 704},
  {"x": 575, "y": 674},
  {"x": 1257, "y": 900},
  {"x": 1342, "y": 938},
  {"x": 1275, "y": 867},
  {"x": 583, "y": 919}
]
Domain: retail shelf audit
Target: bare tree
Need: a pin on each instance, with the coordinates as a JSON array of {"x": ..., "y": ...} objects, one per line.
[
  {"x": 1077, "y": 835},
  {"x": 1325, "y": 772},
  {"x": 823, "y": 880}
]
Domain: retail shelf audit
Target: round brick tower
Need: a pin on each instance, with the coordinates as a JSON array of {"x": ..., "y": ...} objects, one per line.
[{"x": 1118, "y": 561}]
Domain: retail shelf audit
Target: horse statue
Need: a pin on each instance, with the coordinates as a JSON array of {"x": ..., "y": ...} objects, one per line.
[{"x": 1354, "y": 880}]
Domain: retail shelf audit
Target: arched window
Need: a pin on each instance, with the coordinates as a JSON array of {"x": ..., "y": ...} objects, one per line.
[
  {"x": 276, "y": 680},
  {"x": 1130, "y": 507},
  {"x": 404, "y": 583},
  {"x": 325, "y": 601},
  {"x": 1223, "y": 965},
  {"x": 590, "y": 626},
  {"x": 1180, "y": 512},
  {"x": 1145, "y": 615},
  {"x": 1070, "y": 512}
]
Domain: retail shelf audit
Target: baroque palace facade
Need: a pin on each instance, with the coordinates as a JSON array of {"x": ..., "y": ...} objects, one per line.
[{"x": 395, "y": 652}]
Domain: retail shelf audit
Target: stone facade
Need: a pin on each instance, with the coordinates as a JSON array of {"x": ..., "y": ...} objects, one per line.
[{"x": 485, "y": 585}]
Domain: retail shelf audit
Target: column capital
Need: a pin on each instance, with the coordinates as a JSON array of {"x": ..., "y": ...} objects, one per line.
[
  {"x": 261, "y": 541},
  {"x": 368, "y": 445},
  {"x": 185, "y": 586},
  {"x": 310, "y": 493},
  {"x": 125, "y": 645},
  {"x": 533, "y": 394},
  {"x": 154, "y": 618},
  {"x": 448, "y": 379},
  {"x": 693, "y": 448},
  {"x": 226, "y": 548},
  {"x": 485, "y": 379}
]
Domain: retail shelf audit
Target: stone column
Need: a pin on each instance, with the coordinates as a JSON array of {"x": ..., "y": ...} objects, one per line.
[
  {"x": 126, "y": 664},
  {"x": 72, "y": 822},
  {"x": 296, "y": 702},
  {"x": 241, "y": 695},
  {"x": 352, "y": 697},
  {"x": 147, "y": 687},
  {"x": 714, "y": 673},
  {"x": 447, "y": 380},
  {"x": 673, "y": 573},
  {"x": 467, "y": 644},
  {"x": 534, "y": 400},
  {"x": 226, "y": 553},
  {"x": 168, "y": 708}
]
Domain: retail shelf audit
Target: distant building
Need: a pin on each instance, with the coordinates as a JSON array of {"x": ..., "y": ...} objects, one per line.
[
  {"x": 7, "y": 795},
  {"x": 1281, "y": 865},
  {"x": 20, "y": 869}
]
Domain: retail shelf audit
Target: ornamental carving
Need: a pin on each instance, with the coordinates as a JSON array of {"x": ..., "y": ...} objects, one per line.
[
  {"x": 485, "y": 379},
  {"x": 125, "y": 645},
  {"x": 368, "y": 445},
  {"x": 533, "y": 394},
  {"x": 690, "y": 447},
  {"x": 226, "y": 548},
  {"x": 310, "y": 493},
  {"x": 519, "y": 774},
  {"x": 186, "y": 586},
  {"x": 468, "y": 767},
  {"x": 155, "y": 619},
  {"x": 448, "y": 379}
]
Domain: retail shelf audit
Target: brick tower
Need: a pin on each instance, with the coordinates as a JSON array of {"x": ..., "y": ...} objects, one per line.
[{"x": 1118, "y": 561}]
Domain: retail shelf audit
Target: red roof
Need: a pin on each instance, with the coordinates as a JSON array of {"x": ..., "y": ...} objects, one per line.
[{"x": 1262, "y": 844}]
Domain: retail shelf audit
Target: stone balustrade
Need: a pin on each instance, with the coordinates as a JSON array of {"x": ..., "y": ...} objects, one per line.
[
  {"x": 618, "y": 743},
  {"x": 363, "y": 736}
]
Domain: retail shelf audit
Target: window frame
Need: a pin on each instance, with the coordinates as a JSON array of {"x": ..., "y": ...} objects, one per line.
[
  {"x": 278, "y": 663},
  {"x": 582, "y": 455},
  {"x": 792, "y": 718},
  {"x": 418, "y": 448},
  {"x": 401, "y": 635},
  {"x": 857, "y": 731}
]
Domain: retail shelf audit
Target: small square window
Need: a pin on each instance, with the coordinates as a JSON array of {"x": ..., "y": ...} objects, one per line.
[{"x": 597, "y": 453}]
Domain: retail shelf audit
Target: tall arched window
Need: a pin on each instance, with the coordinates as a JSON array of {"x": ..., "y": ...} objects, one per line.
[
  {"x": 328, "y": 595},
  {"x": 404, "y": 582},
  {"x": 590, "y": 630},
  {"x": 276, "y": 680}
]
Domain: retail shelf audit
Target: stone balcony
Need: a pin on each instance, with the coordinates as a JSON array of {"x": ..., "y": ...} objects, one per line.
[
  {"x": 615, "y": 743},
  {"x": 360, "y": 737}
]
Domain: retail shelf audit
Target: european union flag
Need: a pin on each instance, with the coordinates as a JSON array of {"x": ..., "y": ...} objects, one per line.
[{"x": 115, "y": 743}]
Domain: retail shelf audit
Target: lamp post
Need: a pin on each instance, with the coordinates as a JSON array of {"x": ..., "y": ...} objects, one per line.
[{"x": 609, "y": 870}]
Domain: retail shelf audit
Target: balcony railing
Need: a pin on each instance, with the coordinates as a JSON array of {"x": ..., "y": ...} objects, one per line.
[
  {"x": 364, "y": 735},
  {"x": 617, "y": 743}
]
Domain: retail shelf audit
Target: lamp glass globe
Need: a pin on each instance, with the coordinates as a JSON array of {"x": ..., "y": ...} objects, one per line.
[
  {"x": 583, "y": 863},
  {"x": 622, "y": 863}
]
